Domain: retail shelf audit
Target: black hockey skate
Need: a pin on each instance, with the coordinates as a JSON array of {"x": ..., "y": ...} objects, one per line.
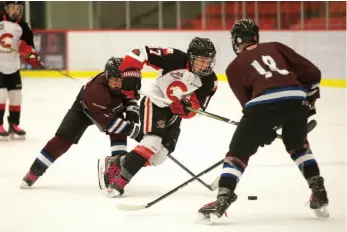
[
  {"x": 214, "y": 210},
  {"x": 15, "y": 132},
  {"x": 4, "y": 135},
  {"x": 319, "y": 200}
]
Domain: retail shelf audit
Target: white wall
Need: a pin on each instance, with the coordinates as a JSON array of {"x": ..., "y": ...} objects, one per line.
[{"x": 90, "y": 50}]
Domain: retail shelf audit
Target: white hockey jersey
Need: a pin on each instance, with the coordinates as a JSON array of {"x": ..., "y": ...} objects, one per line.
[
  {"x": 11, "y": 34},
  {"x": 175, "y": 85}
]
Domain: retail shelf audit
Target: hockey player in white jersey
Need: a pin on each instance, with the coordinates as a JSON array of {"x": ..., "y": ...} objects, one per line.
[
  {"x": 15, "y": 36},
  {"x": 187, "y": 79}
]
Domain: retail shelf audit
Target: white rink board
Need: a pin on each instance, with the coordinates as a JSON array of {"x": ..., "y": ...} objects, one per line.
[{"x": 67, "y": 197}]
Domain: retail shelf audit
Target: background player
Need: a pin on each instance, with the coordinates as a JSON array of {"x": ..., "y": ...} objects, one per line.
[
  {"x": 276, "y": 87},
  {"x": 99, "y": 102},
  {"x": 15, "y": 35},
  {"x": 187, "y": 79}
]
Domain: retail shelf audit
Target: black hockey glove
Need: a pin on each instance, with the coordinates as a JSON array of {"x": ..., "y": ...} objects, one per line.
[
  {"x": 133, "y": 130},
  {"x": 132, "y": 114},
  {"x": 131, "y": 83},
  {"x": 312, "y": 94},
  {"x": 269, "y": 138}
]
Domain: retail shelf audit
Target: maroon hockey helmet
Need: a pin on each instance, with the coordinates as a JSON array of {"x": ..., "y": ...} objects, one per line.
[
  {"x": 244, "y": 31},
  {"x": 14, "y": 9}
]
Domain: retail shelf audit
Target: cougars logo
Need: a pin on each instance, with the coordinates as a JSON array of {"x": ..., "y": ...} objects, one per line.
[{"x": 175, "y": 90}]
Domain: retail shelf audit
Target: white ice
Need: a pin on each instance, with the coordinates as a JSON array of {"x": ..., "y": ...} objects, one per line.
[{"x": 67, "y": 197}]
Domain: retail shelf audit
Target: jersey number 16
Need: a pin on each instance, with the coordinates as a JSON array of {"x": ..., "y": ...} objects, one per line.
[{"x": 270, "y": 62}]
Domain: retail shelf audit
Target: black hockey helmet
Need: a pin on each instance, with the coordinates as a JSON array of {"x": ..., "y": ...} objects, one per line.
[
  {"x": 17, "y": 6},
  {"x": 244, "y": 31},
  {"x": 112, "y": 69},
  {"x": 200, "y": 48}
]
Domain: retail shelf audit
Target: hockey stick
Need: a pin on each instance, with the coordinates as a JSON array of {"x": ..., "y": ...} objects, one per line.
[
  {"x": 41, "y": 63},
  {"x": 214, "y": 185},
  {"x": 187, "y": 170},
  {"x": 139, "y": 207}
]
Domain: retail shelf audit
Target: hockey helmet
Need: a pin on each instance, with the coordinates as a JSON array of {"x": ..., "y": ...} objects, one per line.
[
  {"x": 14, "y": 9},
  {"x": 202, "y": 56},
  {"x": 244, "y": 31},
  {"x": 112, "y": 73}
]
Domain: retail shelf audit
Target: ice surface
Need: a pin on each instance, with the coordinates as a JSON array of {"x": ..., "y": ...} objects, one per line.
[{"x": 67, "y": 197}]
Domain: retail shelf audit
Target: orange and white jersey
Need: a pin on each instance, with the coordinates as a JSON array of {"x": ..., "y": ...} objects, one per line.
[
  {"x": 13, "y": 37},
  {"x": 175, "y": 85}
]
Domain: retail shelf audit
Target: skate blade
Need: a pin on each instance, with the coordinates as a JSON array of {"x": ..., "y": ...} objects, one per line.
[
  {"x": 211, "y": 220},
  {"x": 17, "y": 137},
  {"x": 4, "y": 138},
  {"x": 24, "y": 185},
  {"x": 101, "y": 176},
  {"x": 322, "y": 212},
  {"x": 111, "y": 193}
]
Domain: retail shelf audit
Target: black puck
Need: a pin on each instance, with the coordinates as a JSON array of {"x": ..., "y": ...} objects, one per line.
[{"x": 252, "y": 198}]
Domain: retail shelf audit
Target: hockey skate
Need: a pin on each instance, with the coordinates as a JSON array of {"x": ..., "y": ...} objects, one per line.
[
  {"x": 15, "y": 132},
  {"x": 28, "y": 180},
  {"x": 110, "y": 181},
  {"x": 319, "y": 200},
  {"x": 214, "y": 210},
  {"x": 4, "y": 135},
  {"x": 36, "y": 170}
]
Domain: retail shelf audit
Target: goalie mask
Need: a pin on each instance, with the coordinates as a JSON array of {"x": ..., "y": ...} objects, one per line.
[
  {"x": 14, "y": 9},
  {"x": 113, "y": 74},
  {"x": 202, "y": 56},
  {"x": 244, "y": 31}
]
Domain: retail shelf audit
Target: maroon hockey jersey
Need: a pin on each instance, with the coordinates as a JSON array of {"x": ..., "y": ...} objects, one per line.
[{"x": 269, "y": 72}]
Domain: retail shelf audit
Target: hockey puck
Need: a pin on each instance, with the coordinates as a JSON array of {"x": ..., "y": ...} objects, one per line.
[{"x": 252, "y": 198}]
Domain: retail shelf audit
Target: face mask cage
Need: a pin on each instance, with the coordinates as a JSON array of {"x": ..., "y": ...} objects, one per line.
[
  {"x": 17, "y": 8},
  {"x": 201, "y": 66}
]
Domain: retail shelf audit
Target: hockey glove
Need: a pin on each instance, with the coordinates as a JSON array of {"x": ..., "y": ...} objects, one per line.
[
  {"x": 131, "y": 83},
  {"x": 33, "y": 59},
  {"x": 181, "y": 107},
  {"x": 312, "y": 94},
  {"x": 133, "y": 130},
  {"x": 269, "y": 138},
  {"x": 132, "y": 114}
]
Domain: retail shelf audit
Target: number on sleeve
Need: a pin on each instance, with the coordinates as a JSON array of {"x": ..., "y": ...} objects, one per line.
[
  {"x": 270, "y": 62},
  {"x": 155, "y": 50}
]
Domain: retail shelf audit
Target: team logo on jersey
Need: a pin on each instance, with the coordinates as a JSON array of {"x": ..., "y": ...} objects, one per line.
[
  {"x": 176, "y": 90},
  {"x": 136, "y": 51},
  {"x": 161, "y": 124},
  {"x": 176, "y": 75}
]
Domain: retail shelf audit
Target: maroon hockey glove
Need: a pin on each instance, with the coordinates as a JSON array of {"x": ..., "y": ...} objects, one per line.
[
  {"x": 33, "y": 59},
  {"x": 131, "y": 83},
  {"x": 181, "y": 107}
]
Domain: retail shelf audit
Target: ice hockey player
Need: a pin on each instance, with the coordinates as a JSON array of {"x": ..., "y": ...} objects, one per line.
[
  {"x": 99, "y": 102},
  {"x": 187, "y": 79},
  {"x": 15, "y": 36},
  {"x": 276, "y": 87}
]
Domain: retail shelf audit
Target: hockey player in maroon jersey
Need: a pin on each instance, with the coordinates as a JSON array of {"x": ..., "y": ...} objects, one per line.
[
  {"x": 99, "y": 102},
  {"x": 187, "y": 80},
  {"x": 15, "y": 35},
  {"x": 276, "y": 88}
]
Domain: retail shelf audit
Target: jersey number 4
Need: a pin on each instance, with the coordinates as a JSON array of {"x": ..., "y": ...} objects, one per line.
[{"x": 269, "y": 62}]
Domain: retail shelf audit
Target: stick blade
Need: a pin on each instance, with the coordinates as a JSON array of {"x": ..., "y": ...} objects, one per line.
[
  {"x": 311, "y": 125},
  {"x": 131, "y": 207}
]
